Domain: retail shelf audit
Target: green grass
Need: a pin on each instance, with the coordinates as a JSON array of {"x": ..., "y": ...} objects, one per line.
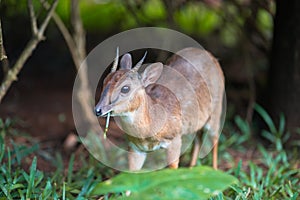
[
  {"x": 275, "y": 173},
  {"x": 19, "y": 183},
  {"x": 271, "y": 173}
]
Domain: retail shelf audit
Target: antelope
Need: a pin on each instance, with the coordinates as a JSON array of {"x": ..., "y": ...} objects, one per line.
[{"x": 157, "y": 107}]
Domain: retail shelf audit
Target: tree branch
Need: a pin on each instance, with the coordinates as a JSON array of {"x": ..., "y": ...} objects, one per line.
[
  {"x": 84, "y": 95},
  {"x": 30, "y": 47},
  {"x": 2, "y": 50},
  {"x": 169, "y": 7},
  {"x": 34, "y": 27},
  {"x": 65, "y": 33},
  {"x": 76, "y": 44},
  {"x": 48, "y": 17},
  {"x": 3, "y": 57},
  {"x": 79, "y": 33}
]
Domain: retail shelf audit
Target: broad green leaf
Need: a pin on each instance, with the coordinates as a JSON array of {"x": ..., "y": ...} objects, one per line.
[{"x": 188, "y": 183}]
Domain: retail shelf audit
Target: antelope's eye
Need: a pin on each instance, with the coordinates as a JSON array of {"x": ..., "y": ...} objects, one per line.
[{"x": 125, "y": 89}]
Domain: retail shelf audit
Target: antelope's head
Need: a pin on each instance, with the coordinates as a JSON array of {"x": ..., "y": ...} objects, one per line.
[{"x": 124, "y": 89}]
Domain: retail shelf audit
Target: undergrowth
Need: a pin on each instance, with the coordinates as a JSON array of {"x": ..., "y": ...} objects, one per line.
[{"x": 273, "y": 173}]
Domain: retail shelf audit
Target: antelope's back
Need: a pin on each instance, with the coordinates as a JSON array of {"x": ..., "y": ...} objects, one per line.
[{"x": 200, "y": 87}]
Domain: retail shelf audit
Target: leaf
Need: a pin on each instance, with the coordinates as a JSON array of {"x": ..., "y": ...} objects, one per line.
[
  {"x": 5, "y": 191},
  {"x": 264, "y": 21},
  {"x": 2, "y": 148},
  {"x": 266, "y": 118},
  {"x": 269, "y": 136},
  {"x": 17, "y": 186},
  {"x": 47, "y": 191},
  {"x": 31, "y": 177},
  {"x": 188, "y": 183},
  {"x": 70, "y": 169},
  {"x": 238, "y": 169},
  {"x": 281, "y": 124},
  {"x": 243, "y": 125}
]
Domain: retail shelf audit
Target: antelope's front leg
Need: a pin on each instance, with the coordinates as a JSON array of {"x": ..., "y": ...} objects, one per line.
[
  {"x": 173, "y": 152},
  {"x": 135, "y": 159}
]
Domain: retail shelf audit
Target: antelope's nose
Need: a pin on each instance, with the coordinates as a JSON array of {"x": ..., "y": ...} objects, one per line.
[{"x": 98, "y": 111}]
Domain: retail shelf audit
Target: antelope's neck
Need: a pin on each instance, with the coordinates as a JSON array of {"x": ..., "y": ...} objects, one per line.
[{"x": 138, "y": 122}]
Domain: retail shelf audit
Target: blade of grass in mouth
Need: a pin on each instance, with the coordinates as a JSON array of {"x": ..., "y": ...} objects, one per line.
[{"x": 106, "y": 125}]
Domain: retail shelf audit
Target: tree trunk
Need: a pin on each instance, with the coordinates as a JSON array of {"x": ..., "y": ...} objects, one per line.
[{"x": 284, "y": 74}]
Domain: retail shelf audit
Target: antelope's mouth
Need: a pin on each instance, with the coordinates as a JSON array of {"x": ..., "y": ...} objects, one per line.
[
  {"x": 106, "y": 114},
  {"x": 102, "y": 111}
]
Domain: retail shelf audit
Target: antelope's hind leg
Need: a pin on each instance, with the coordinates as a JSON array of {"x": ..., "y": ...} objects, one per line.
[
  {"x": 215, "y": 151},
  {"x": 213, "y": 134},
  {"x": 196, "y": 149},
  {"x": 209, "y": 133}
]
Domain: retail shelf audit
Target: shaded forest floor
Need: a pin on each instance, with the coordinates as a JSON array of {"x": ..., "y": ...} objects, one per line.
[{"x": 42, "y": 107}]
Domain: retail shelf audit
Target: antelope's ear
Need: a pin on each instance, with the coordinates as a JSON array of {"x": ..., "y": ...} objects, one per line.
[
  {"x": 152, "y": 73},
  {"x": 126, "y": 61}
]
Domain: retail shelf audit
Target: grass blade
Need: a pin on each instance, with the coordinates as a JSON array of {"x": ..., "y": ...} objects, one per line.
[
  {"x": 70, "y": 169},
  {"x": 5, "y": 191},
  {"x": 64, "y": 191},
  {"x": 238, "y": 169},
  {"x": 8, "y": 175},
  {"x": 266, "y": 117},
  {"x": 281, "y": 124},
  {"x": 2, "y": 148},
  {"x": 31, "y": 178}
]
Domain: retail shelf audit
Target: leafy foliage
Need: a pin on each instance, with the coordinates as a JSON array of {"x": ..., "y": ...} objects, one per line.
[
  {"x": 274, "y": 135},
  {"x": 197, "y": 19},
  {"x": 190, "y": 183}
]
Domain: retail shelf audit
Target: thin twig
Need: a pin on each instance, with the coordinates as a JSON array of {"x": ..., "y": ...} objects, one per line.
[
  {"x": 30, "y": 47},
  {"x": 169, "y": 7},
  {"x": 76, "y": 45},
  {"x": 3, "y": 57},
  {"x": 2, "y": 51},
  {"x": 79, "y": 33},
  {"x": 34, "y": 27},
  {"x": 48, "y": 17},
  {"x": 84, "y": 94},
  {"x": 65, "y": 33}
]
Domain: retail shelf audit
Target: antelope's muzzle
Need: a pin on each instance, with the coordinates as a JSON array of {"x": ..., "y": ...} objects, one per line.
[
  {"x": 98, "y": 111},
  {"x": 102, "y": 110}
]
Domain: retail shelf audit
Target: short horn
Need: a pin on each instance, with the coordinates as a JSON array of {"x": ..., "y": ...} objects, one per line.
[
  {"x": 139, "y": 64},
  {"x": 115, "y": 65}
]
